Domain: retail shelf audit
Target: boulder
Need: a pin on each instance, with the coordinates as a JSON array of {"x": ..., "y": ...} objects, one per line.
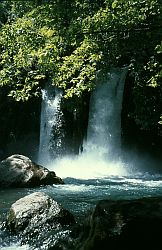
[
  {"x": 123, "y": 224},
  {"x": 20, "y": 171},
  {"x": 36, "y": 212}
]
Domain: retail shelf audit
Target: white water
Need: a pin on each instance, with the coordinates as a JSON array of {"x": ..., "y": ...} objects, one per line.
[
  {"x": 98, "y": 172},
  {"x": 100, "y": 156},
  {"x": 50, "y": 117},
  {"x": 16, "y": 247},
  {"x": 78, "y": 196},
  {"x": 104, "y": 128}
]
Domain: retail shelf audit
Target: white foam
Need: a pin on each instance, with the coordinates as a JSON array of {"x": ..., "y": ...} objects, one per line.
[
  {"x": 87, "y": 167},
  {"x": 15, "y": 247}
]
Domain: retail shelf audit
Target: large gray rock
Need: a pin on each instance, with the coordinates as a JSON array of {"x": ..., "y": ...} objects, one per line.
[
  {"x": 123, "y": 224},
  {"x": 20, "y": 171},
  {"x": 36, "y": 212}
]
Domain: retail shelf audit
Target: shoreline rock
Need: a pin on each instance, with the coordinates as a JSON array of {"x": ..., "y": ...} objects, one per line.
[{"x": 19, "y": 171}]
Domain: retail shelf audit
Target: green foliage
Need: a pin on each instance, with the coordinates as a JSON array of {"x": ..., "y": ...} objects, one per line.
[
  {"x": 77, "y": 72},
  {"x": 70, "y": 41},
  {"x": 26, "y": 46}
]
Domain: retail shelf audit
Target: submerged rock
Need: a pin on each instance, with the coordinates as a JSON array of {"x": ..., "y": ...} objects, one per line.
[
  {"x": 20, "y": 171},
  {"x": 123, "y": 224},
  {"x": 36, "y": 212}
]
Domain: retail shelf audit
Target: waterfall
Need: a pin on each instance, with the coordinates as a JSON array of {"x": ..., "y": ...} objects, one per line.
[
  {"x": 100, "y": 156},
  {"x": 101, "y": 151},
  {"x": 51, "y": 119},
  {"x": 104, "y": 127}
]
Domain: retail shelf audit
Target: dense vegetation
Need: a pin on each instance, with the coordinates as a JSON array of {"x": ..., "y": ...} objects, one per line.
[{"x": 69, "y": 43}]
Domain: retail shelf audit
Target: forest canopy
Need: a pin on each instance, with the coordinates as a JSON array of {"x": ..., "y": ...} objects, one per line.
[{"x": 68, "y": 43}]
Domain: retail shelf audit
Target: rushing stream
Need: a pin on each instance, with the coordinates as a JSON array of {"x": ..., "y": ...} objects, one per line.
[
  {"x": 99, "y": 172},
  {"x": 81, "y": 195}
]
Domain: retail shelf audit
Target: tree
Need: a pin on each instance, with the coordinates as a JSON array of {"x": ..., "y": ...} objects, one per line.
[{"x": 70, "y": 42}]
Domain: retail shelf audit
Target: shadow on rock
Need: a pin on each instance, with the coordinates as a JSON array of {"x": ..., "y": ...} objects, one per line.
[
  {"x": 19, "y": 171},
  {"x": 123, "y": 224}
]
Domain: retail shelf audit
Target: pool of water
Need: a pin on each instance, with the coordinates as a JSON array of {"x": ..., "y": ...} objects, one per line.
[{"x": 80, "y": 196}]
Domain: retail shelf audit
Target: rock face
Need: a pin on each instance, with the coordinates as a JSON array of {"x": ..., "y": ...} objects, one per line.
[
  {"x": 20, "y": 171},
  {"x": 35, "y": 212},
  {"x": 123, "y": 224}
]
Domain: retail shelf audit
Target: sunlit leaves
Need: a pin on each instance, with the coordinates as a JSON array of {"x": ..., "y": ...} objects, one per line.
[
  {"x": 68, "y": 42},
  {"x": 78, "y": 71},
  {"x": 160, "y": 122},
  {"x": 154, "y": 66},
  {"x": 26, "y": 49}
]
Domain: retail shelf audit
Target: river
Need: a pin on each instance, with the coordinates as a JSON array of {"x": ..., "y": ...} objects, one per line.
[{"x": 81, "y": 195}]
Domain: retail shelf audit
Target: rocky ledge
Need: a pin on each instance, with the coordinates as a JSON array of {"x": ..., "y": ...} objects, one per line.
[{"x": 20, "y": 171}]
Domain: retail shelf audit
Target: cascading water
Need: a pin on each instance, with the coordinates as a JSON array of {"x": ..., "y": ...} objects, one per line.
[
  {"x": 51, "y": 116},
  {"x": 98, "y": 159},
  {"x": 104, "y": 128},
  {"x": 100, "y": 151}
]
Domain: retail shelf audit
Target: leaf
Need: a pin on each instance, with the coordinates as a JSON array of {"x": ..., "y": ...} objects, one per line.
[{"x": 114, "y": 4}]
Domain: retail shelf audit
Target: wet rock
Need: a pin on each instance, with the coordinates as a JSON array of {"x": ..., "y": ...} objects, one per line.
[
  {"x": 36, "y": 212},
  {"x": 20, "y": 171},
  {"x": 123, "y": 224}
]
